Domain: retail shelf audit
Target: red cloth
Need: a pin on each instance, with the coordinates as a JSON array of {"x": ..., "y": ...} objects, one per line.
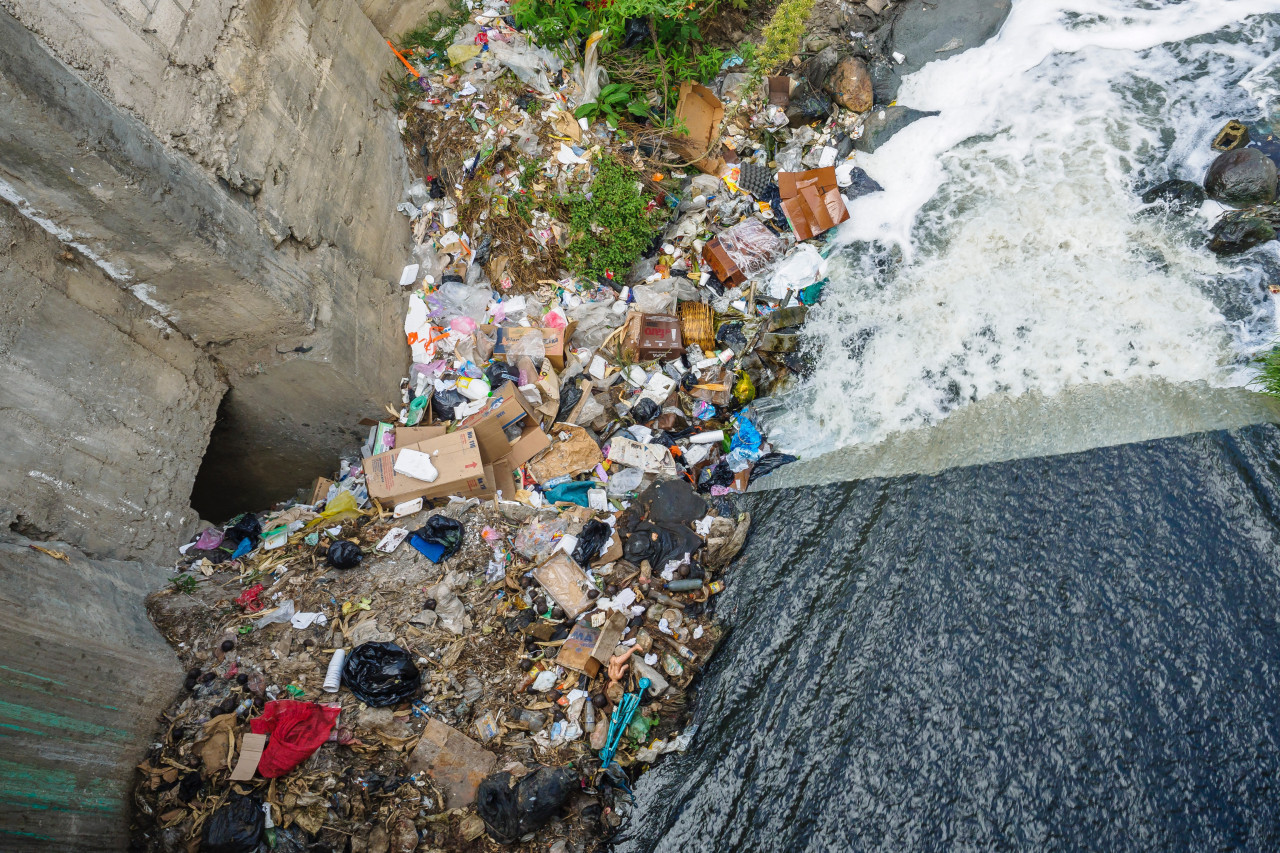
[{"x": 297, "y": 729}]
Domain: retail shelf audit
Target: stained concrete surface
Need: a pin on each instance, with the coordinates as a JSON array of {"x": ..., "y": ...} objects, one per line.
[
  {"x": 105, "y": 409},
  {"x": 82, "y": 676}
]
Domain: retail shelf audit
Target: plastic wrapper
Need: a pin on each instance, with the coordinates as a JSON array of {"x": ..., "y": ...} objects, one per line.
[
  {"x": 381, "y": 674},
  {"x": 235, "y": 827},
  {"x": 453, "y": 298},
  {"x": 596, "y": 321},
  {"x": 742, "y": 250},
  {"x": 297, "y": 730},
  {"x": 539, "y": 537},
  {"x": 528, "y": 63},
  {"x": 344, "y": 554}
]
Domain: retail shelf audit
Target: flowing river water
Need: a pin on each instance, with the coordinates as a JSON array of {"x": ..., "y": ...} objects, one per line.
[{"x": 1029, "y": 598}]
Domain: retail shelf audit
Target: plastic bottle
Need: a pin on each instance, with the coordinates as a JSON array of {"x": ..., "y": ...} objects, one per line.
[
  {"x": 715, "y": 587},
  {"x": 685, "y": 585},
  {"x": 590, "y": 724},
  {"x": 473, "y": 389},
  {"x": 709, "y": 437},
  {"x": 333, "y": 678}
]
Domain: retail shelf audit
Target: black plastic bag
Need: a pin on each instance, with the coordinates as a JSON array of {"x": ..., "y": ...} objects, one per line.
[
  {"x": 720, "y": 475},
  {"x": 510, "y": 812},
  {"x": 769, "y": 463},
  {"x": 636, "y": 32},
  {"x": 645, "y": 411},
  {"x": 442, "y": 403},
  {"x": 569, "y": 397},
  {"x": 500, "y": 373},
  {"x": 236, "y": 827},
  {"x": 248, "y": 526},
  {"x": 659, "y": 544},
  {"x": 482, "y": 250},
  {"x": 443, "y": 531},
  {"x": 592, "y": 538},
  {"x": 671, "y": 503},
  {"x": 344, "y": 554},
  {"x": 381, "y": 674},
  {"x": 731, "y": 336}
]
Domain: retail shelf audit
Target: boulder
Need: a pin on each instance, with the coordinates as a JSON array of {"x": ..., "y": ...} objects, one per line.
[
  {"x": 1242, "y": 178},
  {"x": 1178, "y": 196},
  {"x": 850, "y": 85},
  {"x": 1239, "y": 232}
]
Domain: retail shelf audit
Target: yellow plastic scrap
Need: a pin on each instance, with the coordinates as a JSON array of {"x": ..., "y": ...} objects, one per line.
[
  {"x": 460, "y": 53},
  {"x": 744, "y": 390},
  {"x": 342, "y": 507}
]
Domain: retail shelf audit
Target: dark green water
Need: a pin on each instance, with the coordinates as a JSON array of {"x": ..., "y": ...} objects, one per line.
[{"x": 1068, "y": 652}]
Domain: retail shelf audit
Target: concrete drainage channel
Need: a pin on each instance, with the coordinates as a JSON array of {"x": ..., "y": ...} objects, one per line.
[{"x": 204, "y": 281}]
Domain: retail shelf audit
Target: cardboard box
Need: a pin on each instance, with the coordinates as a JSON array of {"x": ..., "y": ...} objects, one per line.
[
  {"x": 701, "y": 112},
  {"x": 462, "y": 471},
  {"x": 610, "y": 635},
  {"x": 812, "y": 201},
  {"x": 553, "y": 340},
  {"x": 320, "y": 491},
  {"x": 578, "y": 647},
  {"x": 409, "y": 436},
  {"x": 455, "y": 762},
  {"x": 576, "y": 454},
  {"x": 508, "y": 407},
  {"x": 650, "y": 336}
]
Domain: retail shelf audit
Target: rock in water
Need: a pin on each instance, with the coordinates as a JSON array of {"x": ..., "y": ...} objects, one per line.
[
  {"x": 850, "y": 85},
  {"x": 1180, "y": 196},
  {"x": 883, "y": 124},
  {"x": 1239, "y": 232},
  {"x": 1242, "y": 178}
]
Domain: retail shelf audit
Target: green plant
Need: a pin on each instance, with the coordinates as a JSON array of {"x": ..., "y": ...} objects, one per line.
[
  {"x": 438, "y": 32},
  {"x": 782, "y": 34},
  {"x": 611, "y": 229},
  {"x": 184, "y": 583},
  {"x": 1268, "y": 378},
  {"x": 612, "y": 101}
]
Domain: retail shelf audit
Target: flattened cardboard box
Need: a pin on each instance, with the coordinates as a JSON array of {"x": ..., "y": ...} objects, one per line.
[
  {"x": 577, "y": 649},
  {"x": 701, "y": 113},
  {"x": 508, "y": 406},
  {"x": 812, "y": 201},
  {"x": 462, "y": 471},
  {"x": 455, "y": 762}
]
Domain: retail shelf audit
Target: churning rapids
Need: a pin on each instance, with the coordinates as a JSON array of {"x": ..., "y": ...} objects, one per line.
[{"x": 1076, "y": 650}]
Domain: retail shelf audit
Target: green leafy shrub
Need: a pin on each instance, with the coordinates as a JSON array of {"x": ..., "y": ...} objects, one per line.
[
  {"x": 612, "y": 229},
  {"x": 782, "y": 34}
]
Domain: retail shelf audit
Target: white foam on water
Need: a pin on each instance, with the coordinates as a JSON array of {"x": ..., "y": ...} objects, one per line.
[{"x": 1021, "y": 261}]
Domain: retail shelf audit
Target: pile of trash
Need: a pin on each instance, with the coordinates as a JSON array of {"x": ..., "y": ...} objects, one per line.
[{"x": 488, "y": 623}]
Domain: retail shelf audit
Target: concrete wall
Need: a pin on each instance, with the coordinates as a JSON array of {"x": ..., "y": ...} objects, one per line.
[
  {"x": 83, "y": 676},
  {"x": 233, "y": 166},
  {"x": 105, "y": 408}
]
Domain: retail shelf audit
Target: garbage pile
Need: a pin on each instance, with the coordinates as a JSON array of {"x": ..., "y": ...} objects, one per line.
[{"x": 488, "y": 623}]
